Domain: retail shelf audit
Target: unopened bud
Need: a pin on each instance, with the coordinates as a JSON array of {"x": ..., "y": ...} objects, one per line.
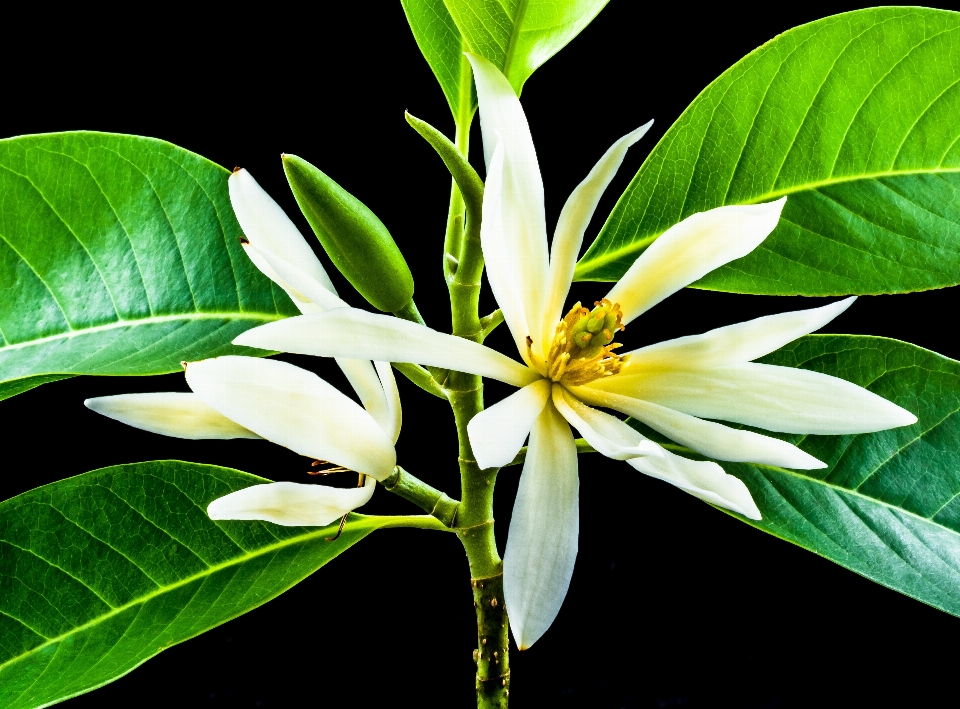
[{"x": 357, "y": 242}]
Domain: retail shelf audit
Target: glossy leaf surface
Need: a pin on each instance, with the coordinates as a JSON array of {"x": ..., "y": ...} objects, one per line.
[
  {"x": 888, "y": 504},
  {"x": 520, "y": 35},
  {"x": 100, "y": 572},
  {"x": 443, "y": 46},
  {"x": 853, "y": 117},
  {"x": 118, "y": 255}
]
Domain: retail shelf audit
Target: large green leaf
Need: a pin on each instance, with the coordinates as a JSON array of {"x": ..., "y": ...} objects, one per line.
[
  {"x": 854, "y": 117},
  {"x": 888, "y": 505},
  {"x": 520, "y": 35},
  {"x": 442, "y": 45},
  {"x": 118, "y": 255},
  {"x": 101, "y": 572}
]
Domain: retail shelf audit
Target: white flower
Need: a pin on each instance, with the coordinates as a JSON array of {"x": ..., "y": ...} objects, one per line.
[
  {"x": 246, "y": 397},
  {"x": 668, "y": 386}
]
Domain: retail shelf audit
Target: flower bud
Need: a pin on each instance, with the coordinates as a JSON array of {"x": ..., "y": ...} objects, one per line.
[{"x": 354, "y": 238}]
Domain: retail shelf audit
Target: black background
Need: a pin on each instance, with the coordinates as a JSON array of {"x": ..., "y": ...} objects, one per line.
[{"x": 672, "y": 604}]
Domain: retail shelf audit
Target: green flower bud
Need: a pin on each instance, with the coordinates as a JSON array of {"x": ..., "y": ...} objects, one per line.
[{"x": 354, "y": 238}]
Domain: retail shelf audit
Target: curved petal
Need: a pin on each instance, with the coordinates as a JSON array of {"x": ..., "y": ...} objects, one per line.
[
  {"x": 701, "y": 479},
  {"x": 544, "y": 529},
  {"x": 294, "y": 408},
  {"x": 691, "y": 249},
  {"x": 497, "y": 433},
  {"x": 301, "y": 287},
  {"x": 734, "y": 344},
  {"x": 708, "y": 438},
  {"x": 766, "y": 396},
  {"x": 394, "y": 414},
  {"x": 268, "y": 227},
  {"x": 352, "y": 333},
  {"x": 574, "y": 219},
  {"x": 520, "y": 263},
  {"x": 170, "y": 413},
  {"x": 291, "y": 504},
  {"x": 505, "y": 281},
  {"x": 364, "y": 380},
  {"x": 607, "y": 434}
]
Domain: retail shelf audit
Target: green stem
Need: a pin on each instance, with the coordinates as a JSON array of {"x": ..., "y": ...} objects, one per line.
[{"x": 425, "y": 496}]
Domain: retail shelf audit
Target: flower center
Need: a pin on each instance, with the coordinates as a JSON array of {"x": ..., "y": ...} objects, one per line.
[{"x": 582, "y": 347}]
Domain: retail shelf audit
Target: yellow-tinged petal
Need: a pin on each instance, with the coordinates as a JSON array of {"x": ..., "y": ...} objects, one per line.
[
  {"x": 498, "y": 432},
  {"x": 174, "y": 414},
  {"x": 607, "y": 434},
  {"x": 688, "y": 251}
]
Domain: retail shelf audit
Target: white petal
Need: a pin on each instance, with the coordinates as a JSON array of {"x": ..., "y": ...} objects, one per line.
[
  {"x": 544, "y": 529},
  {"x": 352, "y": 333},
  {"x": 521, "y": 262},
  {"x": 294, "y": 408},
  {"x": 505, "y": 281},
  {"x": 497, "y": 433},
  {"x": 174, "y": 414},
  {"x": 775, "y": 398},
  {"x": 701, "y": 479},
  {"x": 574, "y": 219},
  {"x": 291, "y": 504},
  {"x": 394, "y": 414},
  {"x": 735, "y": 344},
  {"x": 688, "y": 251},
  {"x": 607, "y": 434},
  {"x": 301, "y": 287},
  {"x": 304, "y": 304},
  {"x": 711, "y": 439},
  {"x": 364, "y": 380},
  {"x": 268, "y": 227}
]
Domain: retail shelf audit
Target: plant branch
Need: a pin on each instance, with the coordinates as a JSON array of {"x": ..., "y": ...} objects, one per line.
[
  {"x": 421, "y": 377},
  {"x": 426, "y": 497},
  {"x": 489, "y": 323}
]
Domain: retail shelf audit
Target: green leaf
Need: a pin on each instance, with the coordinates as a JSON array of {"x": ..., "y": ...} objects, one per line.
[
  {"x": 520, "y": 35},
  {"x": 101, "y": 572},
  {"x": 118, "y": 255},
  {"x": 442, "y": 45},
  {"x": 888, "y": 505},
  {"x": 854, "y": 118}
]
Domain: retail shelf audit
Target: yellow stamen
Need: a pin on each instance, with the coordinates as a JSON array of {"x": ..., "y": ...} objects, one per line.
[{"x": 582, "y": 347}]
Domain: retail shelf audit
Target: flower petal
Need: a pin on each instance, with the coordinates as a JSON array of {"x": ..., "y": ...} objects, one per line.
[
  {"x": 515, "y": 242},
  {"x": 364, "y": 380},
  {"x": 766, "y": 396},
  {"x": 607, "y": 434},
  {"x": 291, "y": 504},
  {"x": 734, "y": 344},
  {"x": 542, "y": 541},
  {"x": 497, "y": 433},
  {"x": 711, "y": 439},
  {"x": 394, "y": 414},
  {"x": 174, "y": 414},
  {"x": 352, "y": 333},
  {"x": 268, "y": 227},
  {"x": 302, "y": 288},
  {"x": 574, "y": 219},
  {"x": 294, "y": 408},
  {"x": 701, "y": 479},
  {"x": 691, "y": 249}
]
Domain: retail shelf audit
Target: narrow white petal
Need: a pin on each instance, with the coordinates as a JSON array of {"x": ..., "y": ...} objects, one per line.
[
  {"x": 702, "y": 479},
  {"x": 291, "y": 504},
  {"x": 394, "y": 418},
  {"x": 297, "y": 283},
  {"x": 775, "y": 398},
  {"x": 544, "y": 529},
  {"x": 607, "y": 434},
  {"x": 735, "y": 344},
  {"x": 524, "y": 261},
  {"x": 170, "y": 414},
  {"x": 364, "y": 380},
  {"x": 709, "y": 438},
  {"x": 304, "y": 304},
  {"x": 497, "y": 433},
  {"x": 352, "y": 333},
  {"x": 505, "y": 280},
  {"x": 691, "y": 249},
  {"x": 574, "y": 219},
  {"x": 268, "y": 227},
  {"x": 294, "y": 408}
]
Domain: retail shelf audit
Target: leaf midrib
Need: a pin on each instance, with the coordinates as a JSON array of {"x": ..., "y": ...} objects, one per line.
[
  {"x": 514, "y": 37},
  {"x": 157, "y": 319},
  {"x": 371, "y": 522},
  {"x": 619, "y": 253}
]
